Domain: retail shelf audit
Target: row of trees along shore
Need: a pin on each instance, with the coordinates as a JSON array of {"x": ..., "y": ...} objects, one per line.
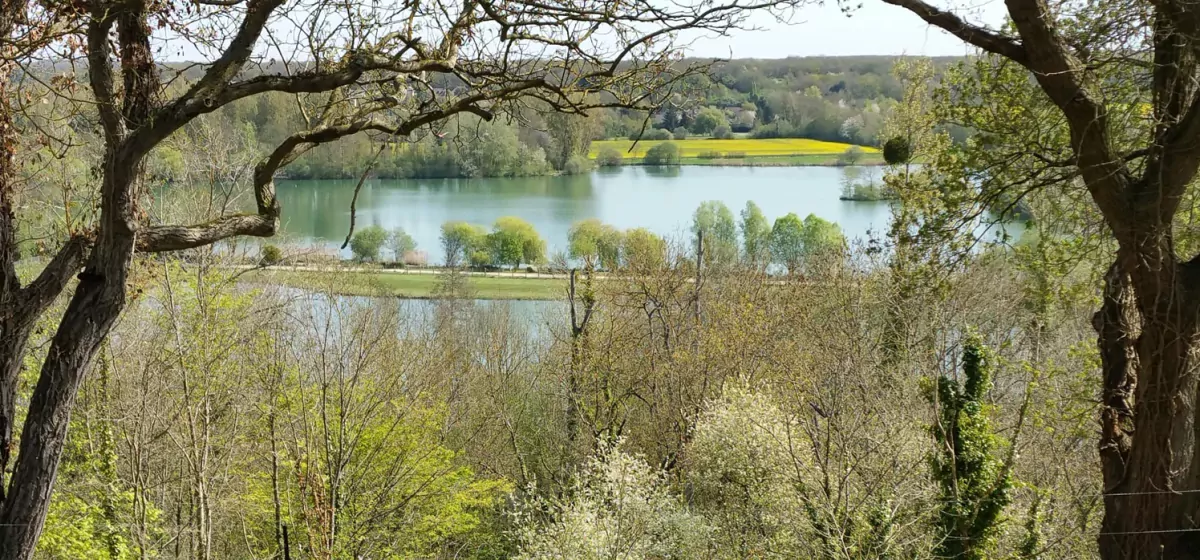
[{"x": 788, "y": 243}]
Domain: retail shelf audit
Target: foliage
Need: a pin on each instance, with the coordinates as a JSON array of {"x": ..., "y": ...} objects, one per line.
[
  {"x": 722, "y": 132},
  {"x": 680, "y": 133},
  {"x": 595, "y": 243},
  {"x": 270, "y": 255},
  {"x": 823, "y": 240},
  {"x": 577, "y": 165},
  {"x": 852, "y": 156},
  {"x": 666, "y": 153},
  {"x": 864, "y": 184},
  {"x": 756, "y": 234},
  {"x": 470, "y": 148},
  {"x": 714, "y": 221},
  {"x": 618, "y": 507},
  {"x": 570, "y": 135},
  {"x": 400, "y": 242},
  {"x": 609, "y": 157},
  {"x": 659, "y": 134},
  {"x": 708, "y": 119},
  {"x": 515, "y": 241},
  {"x": 787, "y": 242},
  {"x": 461, "y": 242},
  {"x": 367, "y": 242},
  {"x": 642, "y": 250},
  {"x": 974, "y": 483},
  {"x": 897, "y": 150}
]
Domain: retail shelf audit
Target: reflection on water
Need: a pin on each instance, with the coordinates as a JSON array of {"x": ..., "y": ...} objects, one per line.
[
  {"x": 660, "y": 199},
  {"x": 418, "y": 317}
]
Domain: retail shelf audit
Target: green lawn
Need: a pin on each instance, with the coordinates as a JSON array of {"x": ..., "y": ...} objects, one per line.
[{"x": 408, "y": 285}]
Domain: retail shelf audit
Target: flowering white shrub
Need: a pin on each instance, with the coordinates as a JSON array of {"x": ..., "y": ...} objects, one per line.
[
  {"x": 619, "y": 508},
  {"x": 745, "y": 462}
]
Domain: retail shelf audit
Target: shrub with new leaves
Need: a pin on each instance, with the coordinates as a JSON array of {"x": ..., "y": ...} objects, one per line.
[
  {"x": 609, "y": 157},
  {"x": 666, "y": 153}
]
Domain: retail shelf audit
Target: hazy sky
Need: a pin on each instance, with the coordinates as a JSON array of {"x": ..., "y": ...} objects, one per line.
[{"x": 875, "y": 28}]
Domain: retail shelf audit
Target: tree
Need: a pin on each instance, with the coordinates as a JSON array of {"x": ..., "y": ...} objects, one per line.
[
  {"x": 756, "y": 233},
  {"x": 680, "y": 133},
  {"x": 722, "y": 132},
  {"x": 460, "y": 240},
  {"x": 596, "y": 243},
  {"x": 514, "y": 241},
  {"x": 822, "y": 238},
  {"x": 642, "y": 250},
  {"x": 974, "y": 483},
  {"x": 666, "y": 153},
  {"x": 571, "y": 135},
  {"x": 367, "y": 242},
  {"x": 714, "y": 221},
  {"x": 1121, "y": 128},
  {"x": 708, "y": 119},
  {"x": 375, "y": 73},
  {"x": 400, "y": 242},
  {"x": 787, "y": 242}
]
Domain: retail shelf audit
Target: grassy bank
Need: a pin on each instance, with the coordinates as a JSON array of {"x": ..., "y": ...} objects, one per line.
[
  {"x": 807, "y": 152},
  {"x": 417, "y": 286}
]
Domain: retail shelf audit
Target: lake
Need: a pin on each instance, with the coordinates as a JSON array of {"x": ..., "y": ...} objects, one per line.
[{"x": 659, "y": 199}]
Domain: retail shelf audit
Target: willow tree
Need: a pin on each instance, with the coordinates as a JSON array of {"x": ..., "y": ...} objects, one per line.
[
  {"x": 389, "y": 68},
  {"x": 1098, "y": 101}
]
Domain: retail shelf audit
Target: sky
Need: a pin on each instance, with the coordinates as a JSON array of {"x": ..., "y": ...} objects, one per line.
[{"x": 873, "y": 28}]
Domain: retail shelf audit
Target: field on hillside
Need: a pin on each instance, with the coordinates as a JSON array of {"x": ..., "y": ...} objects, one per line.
[{"x": 741, "y": 147}]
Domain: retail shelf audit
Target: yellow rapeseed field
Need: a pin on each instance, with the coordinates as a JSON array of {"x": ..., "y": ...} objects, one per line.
[{"x": 747, "y": 147}]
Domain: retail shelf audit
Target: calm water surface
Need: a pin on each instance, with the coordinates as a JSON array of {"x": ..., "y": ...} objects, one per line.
[{"x": 661, "y": 200}]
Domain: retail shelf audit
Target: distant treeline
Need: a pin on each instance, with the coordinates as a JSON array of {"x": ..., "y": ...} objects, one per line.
[{"x": 844, "y": 99}]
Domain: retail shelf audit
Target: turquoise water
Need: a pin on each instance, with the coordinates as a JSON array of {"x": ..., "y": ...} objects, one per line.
[{"x": 661, "y": 200}]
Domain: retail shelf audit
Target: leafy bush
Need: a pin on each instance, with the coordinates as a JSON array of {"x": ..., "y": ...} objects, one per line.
[
  {"x": 366, "y": 243},
  {"x": 711, "y": 154},
  {"x": 577, "y": 165},
  {"x": 658, "y": 134},
  {"x": 722, "y": 132},
  {"x": 270, "y": 255},
  {"x": 666, "y": 153},
  {"x": 851, "y": 156},
  {"x": 609, "y": 157},
  {"x": 680, "y": 133}
]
